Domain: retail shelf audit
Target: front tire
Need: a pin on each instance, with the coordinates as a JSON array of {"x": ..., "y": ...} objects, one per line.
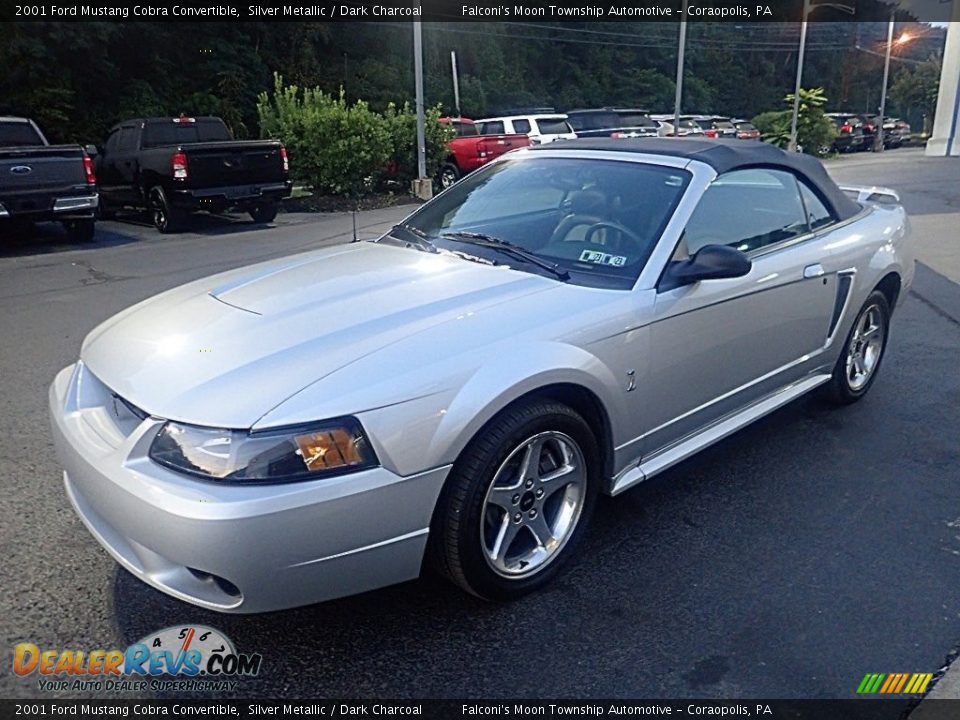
[
  {"x": 859, "y": 361},
  {"x": 517, "y": 501}
]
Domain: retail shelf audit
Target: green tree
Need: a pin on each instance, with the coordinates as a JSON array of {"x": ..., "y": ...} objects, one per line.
[
  {"x": 815, "y": 131},
  {"x": 914, "y": 91}
]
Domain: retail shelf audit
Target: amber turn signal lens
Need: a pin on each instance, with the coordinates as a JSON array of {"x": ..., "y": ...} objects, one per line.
[{"x": 329, "y": 449}]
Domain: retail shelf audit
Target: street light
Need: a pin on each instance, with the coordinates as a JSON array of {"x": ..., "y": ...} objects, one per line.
[
  {"x": 904, "y": 38},
  {"x": 808, "y": 7}
]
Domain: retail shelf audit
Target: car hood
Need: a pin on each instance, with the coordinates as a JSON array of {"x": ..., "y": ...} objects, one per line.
[{"x": 225, "y": 350}]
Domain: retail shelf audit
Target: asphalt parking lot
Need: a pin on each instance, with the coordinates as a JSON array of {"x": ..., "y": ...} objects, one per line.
[{"x": 787, "y": 561}]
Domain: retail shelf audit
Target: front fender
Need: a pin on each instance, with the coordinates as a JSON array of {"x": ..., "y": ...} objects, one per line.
[{"x": 432, "y": 431}]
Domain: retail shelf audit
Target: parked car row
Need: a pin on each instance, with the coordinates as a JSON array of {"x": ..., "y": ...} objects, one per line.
[
  {"x": 859, "y": 132},
  {"x": 480, "y": 141},
  {"x": 169, "y": 166}
]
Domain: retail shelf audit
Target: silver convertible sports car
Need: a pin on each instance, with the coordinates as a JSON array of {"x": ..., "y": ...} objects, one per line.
[{"x": 569, "y": 320}]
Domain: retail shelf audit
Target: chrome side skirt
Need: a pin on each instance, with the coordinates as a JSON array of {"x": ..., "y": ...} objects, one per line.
[{"x": 663, "y": 459}]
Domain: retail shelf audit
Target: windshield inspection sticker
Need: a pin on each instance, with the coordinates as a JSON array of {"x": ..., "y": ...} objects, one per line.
[{"x": 600, "y": 258}]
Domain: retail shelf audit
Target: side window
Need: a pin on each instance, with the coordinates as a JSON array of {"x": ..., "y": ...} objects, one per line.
[
  {"x": 111, "y": 144},
  {"x": 747, "y": 210},
  {"x": 128, "y": 139},
  {"x": 817, "y": 213},
  {"x": 521, "y": 126},
  {"x": 492, "y": 128}
]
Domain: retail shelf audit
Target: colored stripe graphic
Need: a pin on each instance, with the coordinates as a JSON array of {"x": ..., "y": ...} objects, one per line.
[
  {"x": 892, "y": 680},
  {"x": 894, "y": 683},
  {"x": 870, "y": 683}
]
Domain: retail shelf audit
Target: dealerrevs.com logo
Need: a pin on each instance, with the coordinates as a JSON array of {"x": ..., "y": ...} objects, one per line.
[{"x": 190, "y": 657}]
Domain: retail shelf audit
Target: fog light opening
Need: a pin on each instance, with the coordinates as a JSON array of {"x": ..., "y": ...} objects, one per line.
[{"x": 224, "y": 585}]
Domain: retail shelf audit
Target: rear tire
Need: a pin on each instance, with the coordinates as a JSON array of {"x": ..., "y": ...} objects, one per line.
[
  {"x": 166, "y": 218},
  {"x": 517, "y": 502},
  {"x": 862, "y": 353},
  {"x": 263, "y": 213},
  {"x": 104, "y": 211},
  {"x": 449, "y": 174},
  {"x": 80, "y": 231}
]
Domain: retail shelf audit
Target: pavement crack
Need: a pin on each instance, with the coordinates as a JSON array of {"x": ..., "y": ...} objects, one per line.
[{"x": 95, "y": 276}]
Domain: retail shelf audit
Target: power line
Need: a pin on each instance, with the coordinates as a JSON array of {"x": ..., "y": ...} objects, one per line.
[{"x": 693, "y": 43}]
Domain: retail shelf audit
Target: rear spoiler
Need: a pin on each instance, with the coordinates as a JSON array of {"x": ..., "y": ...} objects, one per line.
[{"x": 871, "y": 193}]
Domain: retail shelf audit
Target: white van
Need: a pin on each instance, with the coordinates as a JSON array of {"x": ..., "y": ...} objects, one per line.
[{"x": 540, "y": 129}]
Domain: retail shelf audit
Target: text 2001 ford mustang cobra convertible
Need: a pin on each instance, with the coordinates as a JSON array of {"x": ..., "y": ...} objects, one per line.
[{"x": 569, "y": 320}]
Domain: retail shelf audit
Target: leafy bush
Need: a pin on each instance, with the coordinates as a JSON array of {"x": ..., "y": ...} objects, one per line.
[
  {"x": 815, "y": 131},
  {"x": 337, "y": 149},
  {"x": 341, "y": 149},
  {"x": 773, "y": 123},
  {"x": 402, "y": 126}
]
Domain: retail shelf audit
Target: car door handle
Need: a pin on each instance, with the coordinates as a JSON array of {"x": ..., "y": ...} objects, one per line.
[{"x": 812, "y": 271}]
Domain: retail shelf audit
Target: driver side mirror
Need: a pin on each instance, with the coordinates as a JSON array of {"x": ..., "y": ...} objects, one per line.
[{"x": 711, "y": 262}]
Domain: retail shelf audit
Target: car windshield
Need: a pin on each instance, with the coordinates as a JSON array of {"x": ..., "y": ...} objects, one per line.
[
  {"x": 18, "y": 134},
  {"x": 593, "y": 121},
  {"x": 636, "y": 120},
  {"x": 553, "y": 126},
  {"x": 598, "y": 220},
  {"x": 164, "y": 133},
  {"x": 464, "y": 129}
]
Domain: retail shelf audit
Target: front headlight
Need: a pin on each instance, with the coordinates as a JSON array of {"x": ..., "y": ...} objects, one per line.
[{"x": 329, "y": 448}]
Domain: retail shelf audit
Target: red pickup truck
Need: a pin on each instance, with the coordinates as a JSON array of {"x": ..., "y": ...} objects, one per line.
[{"x": 469, "y": 149}]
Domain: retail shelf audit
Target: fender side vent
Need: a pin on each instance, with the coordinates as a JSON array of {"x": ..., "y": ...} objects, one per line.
[{"x": 844, "y": 284}]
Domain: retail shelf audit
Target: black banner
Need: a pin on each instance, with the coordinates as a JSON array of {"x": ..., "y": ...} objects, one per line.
[
  {"x": 865, "y": 709},
  {"x": 547, "y": 11}
]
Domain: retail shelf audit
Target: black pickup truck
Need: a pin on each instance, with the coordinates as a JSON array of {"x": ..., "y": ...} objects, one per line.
[
  {"x": 173, "y": 166},
  {"x": 43, "y": 182}
]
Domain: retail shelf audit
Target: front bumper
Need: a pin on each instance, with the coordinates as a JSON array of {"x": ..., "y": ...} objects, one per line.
[{"x": 226, "y": 547}]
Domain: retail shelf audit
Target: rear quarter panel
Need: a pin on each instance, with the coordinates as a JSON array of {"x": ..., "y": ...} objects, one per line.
[{"x": 874, "y": 244}]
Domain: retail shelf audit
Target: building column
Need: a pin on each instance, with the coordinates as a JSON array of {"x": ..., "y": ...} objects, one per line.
[{"x": 945, "y": 138}]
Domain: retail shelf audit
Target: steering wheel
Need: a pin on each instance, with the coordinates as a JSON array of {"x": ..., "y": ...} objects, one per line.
[
  {"x": 595, "y": 223},
  {"x": 623, "y": 230}
]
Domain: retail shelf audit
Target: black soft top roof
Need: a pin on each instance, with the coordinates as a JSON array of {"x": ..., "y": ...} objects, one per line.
[{"x": 723, "y": 156}]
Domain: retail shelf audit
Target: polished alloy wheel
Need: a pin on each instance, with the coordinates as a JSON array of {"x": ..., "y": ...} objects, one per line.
[
  {"x": 533, "y": 504},
  {"x": 448, "y": 176},
  {"x": 865, "y": 348}
]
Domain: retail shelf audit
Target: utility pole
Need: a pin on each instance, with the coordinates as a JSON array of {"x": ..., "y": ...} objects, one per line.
[
  {"x": 456, "y": 82},
  {"x": 792, "y": 146},
  {"x": 878, "y": 143},
  {"x": 808, "y": 7},
  {"x": 678, "y": 98},
  {"x": 422, "y": 187}
]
